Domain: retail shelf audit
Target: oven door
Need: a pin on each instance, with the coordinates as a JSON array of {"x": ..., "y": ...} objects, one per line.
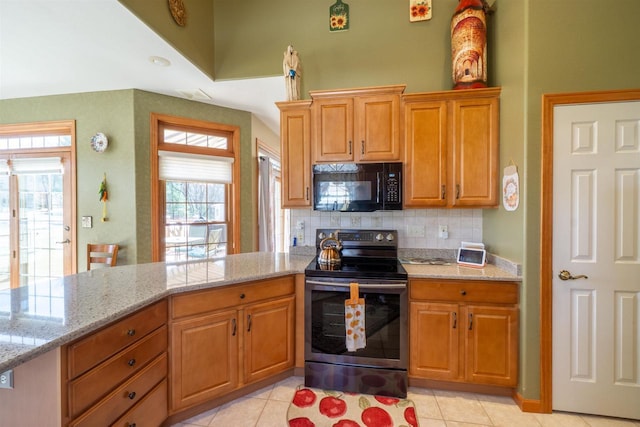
[{"x": 385, "y": 322}]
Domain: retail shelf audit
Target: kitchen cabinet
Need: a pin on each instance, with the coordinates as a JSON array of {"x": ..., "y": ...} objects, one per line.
[
  {"x": 451, "y": 148},
  {"x": 464, "y": 331},
  {"x": 295, "y": 149},
  {"x": 223, "y": 339},
  {"x": 356, "y": 125},
  {"x": 112, "y": 371}
]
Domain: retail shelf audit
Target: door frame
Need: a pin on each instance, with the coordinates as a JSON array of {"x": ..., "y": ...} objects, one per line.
[{"x": 549, "y": 101}]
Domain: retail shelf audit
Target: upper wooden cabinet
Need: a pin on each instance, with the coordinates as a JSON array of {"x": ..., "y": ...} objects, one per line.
[
  {"x": 357, "y": 125},
  {"x": 451, "y": 148},
  {"x": 295, "y": 148}
]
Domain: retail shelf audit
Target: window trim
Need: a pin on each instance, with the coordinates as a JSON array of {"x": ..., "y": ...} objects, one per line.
[{"x": 157, "y": 123}]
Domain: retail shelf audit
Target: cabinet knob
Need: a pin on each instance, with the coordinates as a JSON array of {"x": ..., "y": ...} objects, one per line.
[
  {"x": 131, "y": 424},
  {"x": 131, "y": 332},
  {"x": 132, "y": 395},
  {"x": 131, "y": 362},
  {"x": 463, "y": 292},
  {"x": 242, "y": 296}
]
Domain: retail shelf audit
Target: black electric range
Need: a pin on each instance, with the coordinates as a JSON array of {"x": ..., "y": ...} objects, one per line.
[{"x": 365, "y": 254}]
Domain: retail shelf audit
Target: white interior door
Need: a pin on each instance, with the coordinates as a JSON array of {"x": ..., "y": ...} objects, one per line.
[{"x": 596, "y": 233}]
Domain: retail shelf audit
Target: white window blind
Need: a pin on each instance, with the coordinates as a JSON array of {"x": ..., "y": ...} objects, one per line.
[
  {"x": 36, "y": 165},
  {"x": 175, "y": 166},
  {"x": 4, "y": 167}
]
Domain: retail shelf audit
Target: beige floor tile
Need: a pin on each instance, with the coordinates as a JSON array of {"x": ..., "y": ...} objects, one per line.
[
  {"x": 504, "y": 412},
  {"x": 274, "y": 414},
  {"x": 263, "y": 393},
  {"x": 430, "y": 422},
  {"x": 461, "y": 407},
  {"x": 596, "y": 421},
  {"x": 425, "y": 401},
  {"x": 560, "y": 419},
  {"x": 203, "y": 419},
  {"x": 285, "y": 389},
  {"x": 243, "y": 412},
  {"x": 459, "y": 424}
]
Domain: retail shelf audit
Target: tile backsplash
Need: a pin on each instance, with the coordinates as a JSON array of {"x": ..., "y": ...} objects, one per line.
[{"x": 417, "y": 228}]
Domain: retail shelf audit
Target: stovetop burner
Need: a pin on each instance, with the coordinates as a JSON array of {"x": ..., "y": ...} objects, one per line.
[{"x": 371, "y": 254}]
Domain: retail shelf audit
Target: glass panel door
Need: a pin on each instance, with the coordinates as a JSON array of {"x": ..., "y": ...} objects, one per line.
[
  {"x": 41, "y": 232},
  {"x": 5, "y": 242},
  {"x": 35, "y": 223}
]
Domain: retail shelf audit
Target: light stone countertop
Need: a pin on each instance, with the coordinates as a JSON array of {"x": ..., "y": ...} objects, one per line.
[
  {"x": 455, "y": 271},
  {"x": 37, "y": 319}
]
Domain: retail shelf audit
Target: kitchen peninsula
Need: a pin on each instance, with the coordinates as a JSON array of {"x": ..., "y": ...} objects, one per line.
[{"x": 82, "y": 307}]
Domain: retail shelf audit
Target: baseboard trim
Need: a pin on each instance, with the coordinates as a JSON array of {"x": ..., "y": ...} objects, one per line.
[{"x": 528, "y": 405}]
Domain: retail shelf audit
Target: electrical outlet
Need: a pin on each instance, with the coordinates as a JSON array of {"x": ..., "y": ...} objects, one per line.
[
  {"x": 6, "y": 379},
  {"x": 416, "y": 231},
  {"x": 443, "y": 232},
  {"x": 87, "y": 222}
]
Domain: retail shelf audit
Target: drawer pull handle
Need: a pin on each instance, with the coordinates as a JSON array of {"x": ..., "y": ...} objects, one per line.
[
  {"x": 248, "y": 323},
  {"x": 463, "y": 292},
  {"x": 455, "y": 319},
  {"x": 242, "y": 296},
  {"x": 131, "y": 424},
  {"x": 131, "y": 332},
  {"x": 234, "y": 327},
  {"x": 470, "y": 321},
  {"x": 132, "y": 395},
  {"x": 131, "y": 362}
]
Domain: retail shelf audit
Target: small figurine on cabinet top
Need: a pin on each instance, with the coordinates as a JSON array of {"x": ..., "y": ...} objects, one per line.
[{"x": 291, "y": 66}]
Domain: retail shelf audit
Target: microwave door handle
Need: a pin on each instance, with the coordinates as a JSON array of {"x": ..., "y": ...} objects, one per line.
[{"x": 379, "y": 189}]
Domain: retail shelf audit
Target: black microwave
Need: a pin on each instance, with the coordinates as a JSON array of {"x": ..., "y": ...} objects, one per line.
[{"x": 357, "y": 187}]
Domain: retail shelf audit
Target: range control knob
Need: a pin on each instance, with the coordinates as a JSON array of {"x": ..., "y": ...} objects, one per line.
[
  {"x": 321, "y": 236},
  {"x": 390, "y": 237},
  {"x": 379, "y": 237}
]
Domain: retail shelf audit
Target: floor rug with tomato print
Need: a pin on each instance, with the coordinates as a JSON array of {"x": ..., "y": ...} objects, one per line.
[{"x": 312, "y": 407}]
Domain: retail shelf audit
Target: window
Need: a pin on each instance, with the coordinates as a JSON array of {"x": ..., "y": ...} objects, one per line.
[{"x": 194, "y": 173}]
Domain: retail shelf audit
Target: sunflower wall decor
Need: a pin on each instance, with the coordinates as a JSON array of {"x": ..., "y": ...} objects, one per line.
[
  {"x": 419, "y": 10},
  {"x": 339, "y": 16}
]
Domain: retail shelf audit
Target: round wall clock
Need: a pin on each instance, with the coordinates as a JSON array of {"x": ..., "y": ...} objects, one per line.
[
  {"x": 99, "y": 142},
  {"x": 178, "y": 12}
]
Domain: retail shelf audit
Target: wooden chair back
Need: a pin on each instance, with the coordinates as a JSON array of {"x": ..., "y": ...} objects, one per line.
[{"x": 105, "y": 254}]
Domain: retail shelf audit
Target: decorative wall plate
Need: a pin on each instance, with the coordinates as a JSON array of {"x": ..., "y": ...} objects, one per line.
[
  {"x": 178, "y": 12},
  {"x": 99, "y": 142}
]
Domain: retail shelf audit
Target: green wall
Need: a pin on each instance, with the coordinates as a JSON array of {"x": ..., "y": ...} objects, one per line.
[
  {"x": 124, "y": 117},
  {"x": 195, "y": 41}
]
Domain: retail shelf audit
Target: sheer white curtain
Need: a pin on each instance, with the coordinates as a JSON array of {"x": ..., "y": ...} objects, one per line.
[{"x": 266, "y": 210}]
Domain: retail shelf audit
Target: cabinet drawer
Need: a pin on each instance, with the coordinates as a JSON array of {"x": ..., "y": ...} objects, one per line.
[
  {"x": 88, "y": 352},
  {"x": 91, "y": 387},
  {"x": 151, "y": 411},
  {"x": 124, "y": 397},
  {"x": 200, "y": 302},
  {"x": 464, "y": 291}
]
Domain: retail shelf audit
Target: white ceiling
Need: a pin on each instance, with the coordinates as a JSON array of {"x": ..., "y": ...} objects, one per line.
[{"x": 50, "y": 47}]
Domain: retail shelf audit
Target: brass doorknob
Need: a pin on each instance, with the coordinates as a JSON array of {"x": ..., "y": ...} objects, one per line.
[{"x": 566, "y": 275}]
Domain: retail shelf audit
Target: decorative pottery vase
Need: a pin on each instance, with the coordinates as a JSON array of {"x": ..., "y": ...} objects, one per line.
[{"x": 469, "y": 45}]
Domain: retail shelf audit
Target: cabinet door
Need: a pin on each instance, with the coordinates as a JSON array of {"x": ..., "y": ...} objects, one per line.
[
  {"x": 492, "y": 345},
  {"x": 268, "y": 338},
  {"x": 333, "y": 130},
  {"x": 377, "y": 128},
  {"x": 204, "y": 359},
  {"x": 475, "y": 152},
  {"x": 425, "y": 139},
  {"x": 434, "y": 341},
  {"x": 295, "y": 142}
]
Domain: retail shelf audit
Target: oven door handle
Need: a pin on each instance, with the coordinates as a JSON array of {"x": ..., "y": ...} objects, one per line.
[{"x": 360, "y": 284}]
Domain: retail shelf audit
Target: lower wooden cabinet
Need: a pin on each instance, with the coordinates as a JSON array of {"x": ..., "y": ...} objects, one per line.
[
  {"x": 113, "y": 371},
  {"x": 234, "y": 344},
  {"x": 464, "y": 331}
]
